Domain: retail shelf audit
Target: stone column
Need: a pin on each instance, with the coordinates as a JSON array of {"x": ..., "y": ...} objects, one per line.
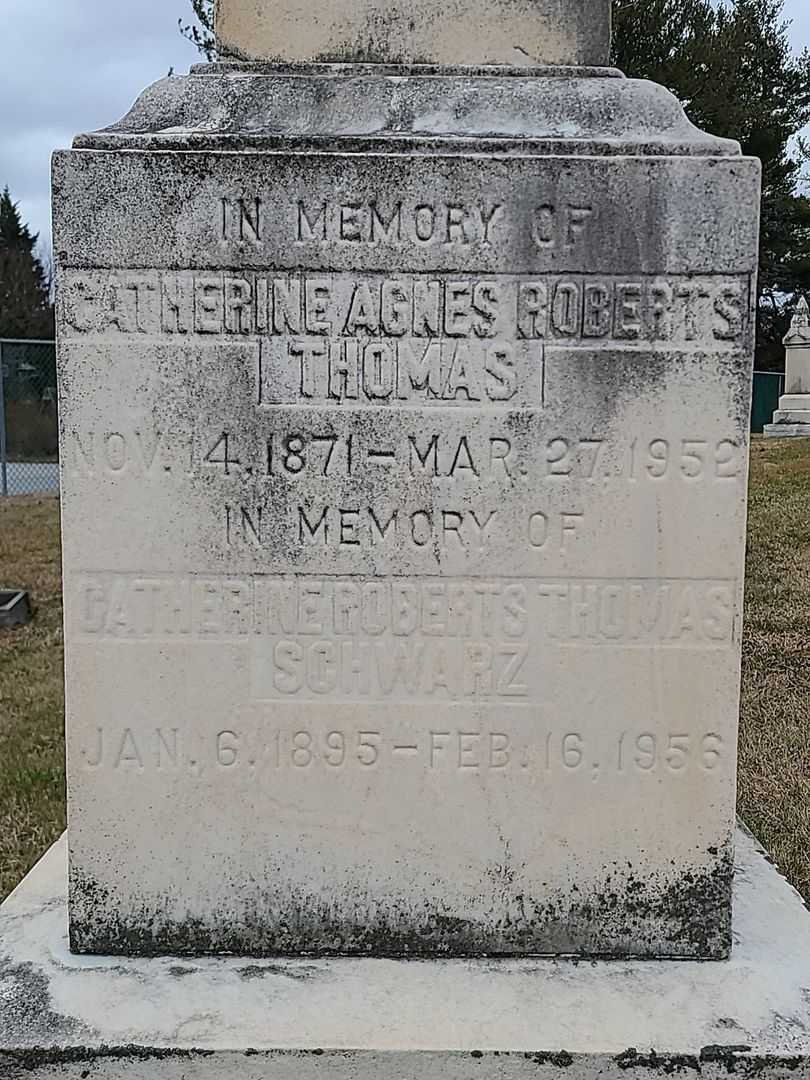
[
  {"x": 518, "y": 33},
  {"x": 793, "y": 416}
]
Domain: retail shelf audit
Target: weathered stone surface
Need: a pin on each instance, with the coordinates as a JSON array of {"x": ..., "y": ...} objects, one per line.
[
  {"x": 232, "y": 1019},
  {"x": 517, "y": 32},
  {"x": 512, "y": 111},
  {"x": 404, "y": 501}
]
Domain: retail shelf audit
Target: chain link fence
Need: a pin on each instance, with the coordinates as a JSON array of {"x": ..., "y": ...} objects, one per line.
[{"x": 29, "y": 429}]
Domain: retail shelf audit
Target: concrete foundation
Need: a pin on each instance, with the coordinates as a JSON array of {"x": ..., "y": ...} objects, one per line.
[{"x": 96, "y": 1018}]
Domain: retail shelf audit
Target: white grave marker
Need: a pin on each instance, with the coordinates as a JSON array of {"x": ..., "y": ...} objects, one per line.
[{"x": 404, "y": 475}]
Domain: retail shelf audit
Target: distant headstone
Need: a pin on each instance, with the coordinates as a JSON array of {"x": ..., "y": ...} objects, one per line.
[
  {"x": 405, "y": 426},
  {"x": 793, "y": 416}
]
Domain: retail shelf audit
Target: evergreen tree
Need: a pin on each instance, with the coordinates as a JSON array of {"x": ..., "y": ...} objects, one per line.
[
  {"x": 201, "y": 35},
  {"x": 25, "y": 305}
]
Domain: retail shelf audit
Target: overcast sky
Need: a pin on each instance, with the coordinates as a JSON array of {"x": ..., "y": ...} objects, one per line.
[{"x": 68, "y": 66}]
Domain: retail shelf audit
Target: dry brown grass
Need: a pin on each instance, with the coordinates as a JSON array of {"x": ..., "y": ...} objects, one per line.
[
  {"x": 775, "y": 735},
  {"x": 774, "y": 789},
  {"x": 32, "y": 751}
]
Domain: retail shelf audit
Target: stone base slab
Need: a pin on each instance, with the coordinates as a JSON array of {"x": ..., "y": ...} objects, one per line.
[
  {"x": 102, "y": 1018},
  {"x": 792, "y": 416},
  {"x": 794, "y": 403},
  {"x": 786, "y": 431}
]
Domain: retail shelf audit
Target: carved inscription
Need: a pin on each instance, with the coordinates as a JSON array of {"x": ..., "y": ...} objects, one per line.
[
  {"x": 573, "y": 308},
  {"x": 242, "y": 219},
  {"x": 408, "y": 340},
  {"x": 615, "y": 612},
  {"x": 317, "y": 750},
  {"x": 355, "y": 528},
  {"x": 343, "y": 347},
  {"x": 375, "y": 222},
  {"x": 301, "y": 454},
  {"x": 412, "y": 342},
  {"x": 386, "y": 222}
]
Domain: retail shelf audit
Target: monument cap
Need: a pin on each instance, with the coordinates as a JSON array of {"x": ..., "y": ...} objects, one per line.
[
  {"x": 799, "y": 332},
  {"x": 467, "y": 32}
]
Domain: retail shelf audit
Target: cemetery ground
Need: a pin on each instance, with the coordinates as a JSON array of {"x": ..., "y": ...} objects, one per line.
[{"x": 775, "y": 735}]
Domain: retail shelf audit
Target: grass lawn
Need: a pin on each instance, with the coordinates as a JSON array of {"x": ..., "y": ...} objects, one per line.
[
  {"x": 775, "y": 736},
  {"x": 774, "y": 788},
  {"x": 32, "y": 746}
]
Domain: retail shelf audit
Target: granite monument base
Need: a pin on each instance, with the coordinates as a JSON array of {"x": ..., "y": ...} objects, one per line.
[{"x": 99, "y": 1018}]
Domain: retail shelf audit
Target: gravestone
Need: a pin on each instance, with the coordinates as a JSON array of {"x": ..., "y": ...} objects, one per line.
[
  {"x": 404, "y": 443},
  {"x": 404, "y": 454},
  {"x": 792, "y": 419}
]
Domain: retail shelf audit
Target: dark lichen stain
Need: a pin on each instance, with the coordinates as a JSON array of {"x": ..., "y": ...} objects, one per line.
[
  {"x": 715, "y": 1052},
  {"x": 733, "y": 1059},
  {"x": 346, "y": 1055},
  {"x": 660, "y": 1063},
  {"x": 631, "y": 915},
  {"x": 35, "y": 1059},
  {"x": 28, "y": 1007},
  {"x": 261, "y": 971},
  {"x": 252, "y": 971},
  {"x": 560, "y": 1059}
]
